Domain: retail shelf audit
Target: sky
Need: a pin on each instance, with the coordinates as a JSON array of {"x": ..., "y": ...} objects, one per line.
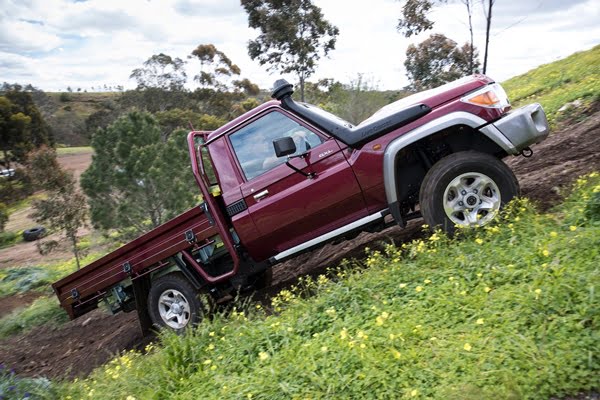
[{"x": 55, "y": 44}]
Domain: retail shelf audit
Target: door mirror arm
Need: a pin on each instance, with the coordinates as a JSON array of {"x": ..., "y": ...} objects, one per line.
[{"x": 309, "y": 175}]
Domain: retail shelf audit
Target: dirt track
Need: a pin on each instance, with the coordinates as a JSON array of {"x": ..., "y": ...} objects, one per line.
[{"x": 76, "y": 348}]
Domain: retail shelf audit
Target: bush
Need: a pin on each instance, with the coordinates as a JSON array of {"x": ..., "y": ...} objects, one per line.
[
  {"x": 3, "y": 216},
  {"x": 9, "y": 238},
  {"x": 14, "y": 387},
  {"x": 44, "y": 310}
]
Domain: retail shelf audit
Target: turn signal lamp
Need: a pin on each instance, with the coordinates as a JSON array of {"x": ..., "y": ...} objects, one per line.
[{"x": 491, "y": 96}]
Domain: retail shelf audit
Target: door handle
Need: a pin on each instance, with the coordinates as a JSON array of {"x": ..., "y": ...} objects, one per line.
[{"x": 261, "y": 195}]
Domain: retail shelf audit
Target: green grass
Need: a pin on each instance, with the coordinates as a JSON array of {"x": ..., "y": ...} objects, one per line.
[
  {"x": 64, "y": 151},
  {"x": 23, "y": 279},
  {"x": 505, "y": 312},
  {"x": 8, "y": 239},
  {"x": 44, "y": 310},
  {"x": 553, "y": 85}
]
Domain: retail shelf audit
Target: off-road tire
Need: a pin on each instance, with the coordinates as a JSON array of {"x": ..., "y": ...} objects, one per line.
[
  {"x": 163, "y": 288},
  {"x": 29, "y": 235},
  {"x": 439, "y": 177}
]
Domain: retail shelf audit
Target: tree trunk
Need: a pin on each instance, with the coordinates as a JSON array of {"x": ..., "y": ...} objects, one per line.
[
  {"x": 75, "y": 249},
  {"x": 488, "y": 18},
  {"x": 471, "y": 61},
  {"x": 302, "y": 86}
]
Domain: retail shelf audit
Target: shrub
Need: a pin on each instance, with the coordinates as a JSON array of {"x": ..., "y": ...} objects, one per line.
[{"x": 44, "y": 310}]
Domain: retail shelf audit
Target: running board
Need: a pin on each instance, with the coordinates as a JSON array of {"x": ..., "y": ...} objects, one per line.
[{"x": 328, "y": 236}]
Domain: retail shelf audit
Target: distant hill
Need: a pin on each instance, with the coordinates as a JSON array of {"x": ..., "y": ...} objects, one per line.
[{"x": 67, "y": 113}]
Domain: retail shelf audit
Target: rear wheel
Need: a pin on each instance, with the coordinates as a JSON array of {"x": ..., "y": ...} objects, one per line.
[
  {"x": 174, "y": 303},
  {"x": 466, "y": 189}
]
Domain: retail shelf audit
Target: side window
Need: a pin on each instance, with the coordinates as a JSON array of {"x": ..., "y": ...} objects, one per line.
[{"x": 253, "y": 144}]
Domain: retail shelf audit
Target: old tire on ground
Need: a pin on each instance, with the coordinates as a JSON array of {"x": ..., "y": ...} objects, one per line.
[
  {"x": 467, "y": 188},
  {"x": 29, "y": 235},
  {"x": 174, "y": 303}
]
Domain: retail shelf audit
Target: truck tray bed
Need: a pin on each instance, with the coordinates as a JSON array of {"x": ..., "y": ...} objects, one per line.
[{"x": 82, "y": 290}]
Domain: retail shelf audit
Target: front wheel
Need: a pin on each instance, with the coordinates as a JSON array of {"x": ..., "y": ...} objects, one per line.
[
  {"x": 466, "y": 189},
  {"x": 174, "y": 303}
]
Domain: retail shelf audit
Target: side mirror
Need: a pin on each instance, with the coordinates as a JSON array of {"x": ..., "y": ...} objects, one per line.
[{"x": 284, "y": 146}]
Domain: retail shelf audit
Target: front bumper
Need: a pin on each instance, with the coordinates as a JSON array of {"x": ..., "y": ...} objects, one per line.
[{"x": 524, "y": 126}]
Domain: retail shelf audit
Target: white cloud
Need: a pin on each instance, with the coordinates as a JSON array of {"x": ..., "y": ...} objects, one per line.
[{"x": 58, "y": 43}]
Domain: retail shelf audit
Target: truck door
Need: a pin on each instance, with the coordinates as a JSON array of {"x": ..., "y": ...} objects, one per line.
[{"x": 286, "y": 207}]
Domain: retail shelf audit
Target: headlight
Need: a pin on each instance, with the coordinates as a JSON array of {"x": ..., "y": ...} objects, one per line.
[{"x": 490, "y": 96}]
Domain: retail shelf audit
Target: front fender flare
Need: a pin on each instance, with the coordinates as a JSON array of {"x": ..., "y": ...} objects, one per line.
[{"x": 431, "y": 127}]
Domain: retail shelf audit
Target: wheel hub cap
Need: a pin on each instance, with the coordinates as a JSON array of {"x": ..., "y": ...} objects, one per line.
[
  {"x": 174, "y": 309},
  {"x": 471, "y": 199}
]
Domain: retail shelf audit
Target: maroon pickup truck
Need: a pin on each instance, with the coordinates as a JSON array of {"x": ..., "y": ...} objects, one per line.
[{"x": 286, "y": 177}]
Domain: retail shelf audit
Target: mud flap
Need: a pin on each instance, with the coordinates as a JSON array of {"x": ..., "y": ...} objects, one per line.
[{"x": 141, "y": 289}]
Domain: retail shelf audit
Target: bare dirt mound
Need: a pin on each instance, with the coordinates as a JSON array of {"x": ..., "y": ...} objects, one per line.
[
  {"x": 77, "y": 347},
  {"x": 558, "y": 160}
]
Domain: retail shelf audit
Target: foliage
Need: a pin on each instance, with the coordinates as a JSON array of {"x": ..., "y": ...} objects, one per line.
[
  {"x": 161, "y": 71},
  {"x": 160, "y": 84},
  {"x": 9, "y": 238},
  {"x": 436, "y": 61},
  {"x": 293, "y": 36},
  {"x": 3, "y": 216},
  {"x": 504, "y": 312},
  {"x": 23, "y": 279},
  {"x": 43, "y": 311},
  {"x": 21, "y": 123},
  {"x": 64, "y": 209},
  {"x": 177, "y": 118},
  {"x": 414, "y": 17},
  {"x": 14, "y": 387},
  {"x": 136, "y": 180},
  {"x": 214, "y": 67},
  {"x": 553, "y": 85},
  {"x": 353, "y": 102},
  {"x": 414, "y": 20}
]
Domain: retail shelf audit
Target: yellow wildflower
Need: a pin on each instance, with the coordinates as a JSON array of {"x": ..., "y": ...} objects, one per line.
[
  {"x": 478, "y": 241},
  {"x": 427, "y": 281},
  {"x": 467, "y": 347},
  {"x": 545, "y": 253},
  {"x": 211, "y": 333},
  {"x": 344, "y": 334},
  {"x": 207, "y": 362},
  {"x": 324, "y": 349},
  {"x": 573, "y": 228},
  {"x": 479, "y": 321},
  {"x": 414, "y": 393},
  {"x": 487, "y": 289},
  {"x": 402, "y": 285},
  {"x": 419, "y": 288},
  {"x": 553, "y": 234},
  {"x": 396, "y": 353},
  {"x": 263, "y": 356}
]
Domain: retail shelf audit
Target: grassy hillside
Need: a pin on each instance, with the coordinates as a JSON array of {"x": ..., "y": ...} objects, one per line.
[
  {"x": 67, "y": 113},
  {"x": 576, "y": 77},
  {"x": 505, "y": 312}
]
